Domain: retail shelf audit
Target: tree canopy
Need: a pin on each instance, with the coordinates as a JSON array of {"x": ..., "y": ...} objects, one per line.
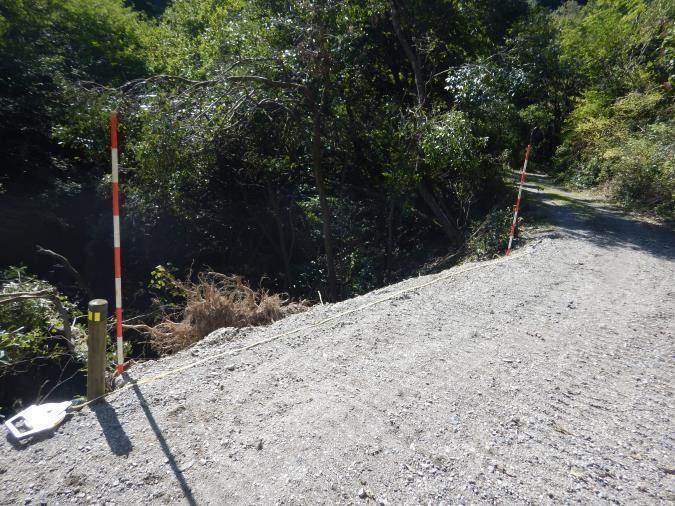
[{"x": 316, "y": 145}]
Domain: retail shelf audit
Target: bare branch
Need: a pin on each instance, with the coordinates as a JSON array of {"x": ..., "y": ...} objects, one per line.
[
  {"x": 59, "y": 382},
  {"x": 266, "y": 80},
  {"x": 63, "y": 261},
  {"x": 413, "y": 57},
  {"x": 6, "y": 298},
  {"x": 141, "y": 327},
  {"x": 48, "y": 294}
]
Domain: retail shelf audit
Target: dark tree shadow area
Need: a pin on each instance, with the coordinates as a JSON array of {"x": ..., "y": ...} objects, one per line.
[{"x": 603, "y": 226}]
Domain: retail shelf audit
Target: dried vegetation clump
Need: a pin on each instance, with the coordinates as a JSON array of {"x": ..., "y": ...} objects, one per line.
[{"x": 215, "y": 301}]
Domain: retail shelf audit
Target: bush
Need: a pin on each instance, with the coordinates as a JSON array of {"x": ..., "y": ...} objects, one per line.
[
  {"x": 624, "y": 146},
  {"x": 212, "y": 302},
  {"x": 490, "y": 238},
  {"x": 32, "y": 330},
  {"x": 643, "y": 170},
  {"x": 619, "y": 134}
]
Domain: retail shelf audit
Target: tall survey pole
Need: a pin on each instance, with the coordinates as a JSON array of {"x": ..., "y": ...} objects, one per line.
[
  {"x": 520, "y": 193},
  {"x": 116, "y": 242}
]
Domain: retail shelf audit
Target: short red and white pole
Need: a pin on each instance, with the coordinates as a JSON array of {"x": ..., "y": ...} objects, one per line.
[
  {"x": 116, "y": 242},
  {"x": 520, "y": 193}
]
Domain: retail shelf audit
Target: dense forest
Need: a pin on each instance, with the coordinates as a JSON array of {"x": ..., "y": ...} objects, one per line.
[{"x": 308, "y": 146}]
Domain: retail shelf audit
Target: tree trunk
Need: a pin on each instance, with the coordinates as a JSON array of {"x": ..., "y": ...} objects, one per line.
[
  {"x": 283, "y": 249},
  {"x": 317, "y": 155},
  {"x": 412, "y": 56},
  {"x": 390, "y": 240},
  {"x": 442, "y": 218},
  {"x": 425, "y": 192}
]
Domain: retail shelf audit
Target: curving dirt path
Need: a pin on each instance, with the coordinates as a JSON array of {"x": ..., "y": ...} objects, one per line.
[{"x": 544, "y": 379}]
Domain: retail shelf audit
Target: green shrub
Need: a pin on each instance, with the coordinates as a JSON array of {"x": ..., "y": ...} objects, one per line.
[
  {"x": 642, "y": 169},
  {"x": 490, "y": 238},
  {"x": 32, "y": 329},
  {"x": 619, "y": 133},
  {"x": 624, "y": 146}
]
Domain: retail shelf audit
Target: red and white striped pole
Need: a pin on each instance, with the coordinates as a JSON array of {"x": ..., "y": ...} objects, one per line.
[
  {"x": 520, "y": 193},
  {"x": 116, "y": 242}
]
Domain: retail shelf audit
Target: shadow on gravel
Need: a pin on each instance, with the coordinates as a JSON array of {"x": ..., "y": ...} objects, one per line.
[
  {"x": 180, "y": 478},
  {"x": 114, "y": 434},
  {"x": 24, "y": 444},
  {"x": 602, "y": 226}
]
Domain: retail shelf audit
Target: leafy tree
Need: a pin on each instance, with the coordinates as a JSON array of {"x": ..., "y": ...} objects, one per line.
[
  {"x": 617, "y": 133},
  {"x": 54, "y": 147},
  {"x": 308, "y": 144}
]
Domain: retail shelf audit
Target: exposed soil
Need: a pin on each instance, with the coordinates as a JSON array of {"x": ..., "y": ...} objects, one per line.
[{"x": 546, "y": 378}]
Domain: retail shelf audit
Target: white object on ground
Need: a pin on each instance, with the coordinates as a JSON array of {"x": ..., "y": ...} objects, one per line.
[{"x": 37, "y": 418}]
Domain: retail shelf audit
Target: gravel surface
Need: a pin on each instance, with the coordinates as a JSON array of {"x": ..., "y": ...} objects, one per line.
[{"x": 546, "y": 378}]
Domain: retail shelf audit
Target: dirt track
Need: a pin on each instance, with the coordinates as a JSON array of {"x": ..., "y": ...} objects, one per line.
[{"x": 544, "y": 379}]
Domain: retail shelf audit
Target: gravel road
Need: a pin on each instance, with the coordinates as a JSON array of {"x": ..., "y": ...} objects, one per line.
[{"x": 546, "y": 378}]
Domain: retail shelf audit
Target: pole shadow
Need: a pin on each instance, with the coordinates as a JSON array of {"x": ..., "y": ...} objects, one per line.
[
  {"x": 114, "y": 434},
  {"x": 185, "y": 488}
]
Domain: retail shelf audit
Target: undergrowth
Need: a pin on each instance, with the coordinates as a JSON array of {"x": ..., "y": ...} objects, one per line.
[
  {"x": 490, "y": 238},
  {"x": 211, "y": 302}
]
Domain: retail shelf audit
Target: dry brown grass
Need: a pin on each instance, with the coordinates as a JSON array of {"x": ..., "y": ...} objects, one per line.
[{"x": 215, "y": 301}]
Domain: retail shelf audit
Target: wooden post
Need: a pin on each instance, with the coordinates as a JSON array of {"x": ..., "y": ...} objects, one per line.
[{"x": 96, "y": 344}]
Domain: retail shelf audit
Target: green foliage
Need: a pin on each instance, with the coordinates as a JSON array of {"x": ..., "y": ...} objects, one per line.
[
  {"x": 251, "y": 131},
  {"x": 447, "y": 141},
  {"x": 159, "y": 278},
  {"x": 490, "y": 237},
  {"x": 46, "y": 49},
  {"x": 640, "y": 168},
  {"x": 227, "y": 162},
  {"x": 218, "y": 120},
  {"x": 618, "y": 134},
  {"x": 486, "y": 92},
  {"x": 537, "y": 117},
  {"x": 619, "y": 45},
  {"x": 454, "y": 155},
  {"x": 32, "y": 329},
  {"x": 164, "y": 285}
]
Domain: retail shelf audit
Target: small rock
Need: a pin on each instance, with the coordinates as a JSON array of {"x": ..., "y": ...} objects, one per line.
[
  {"x": 119, "y": 381},
  {"x": 187, "y": 466},
  {"x": 362, "y": 493}
]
